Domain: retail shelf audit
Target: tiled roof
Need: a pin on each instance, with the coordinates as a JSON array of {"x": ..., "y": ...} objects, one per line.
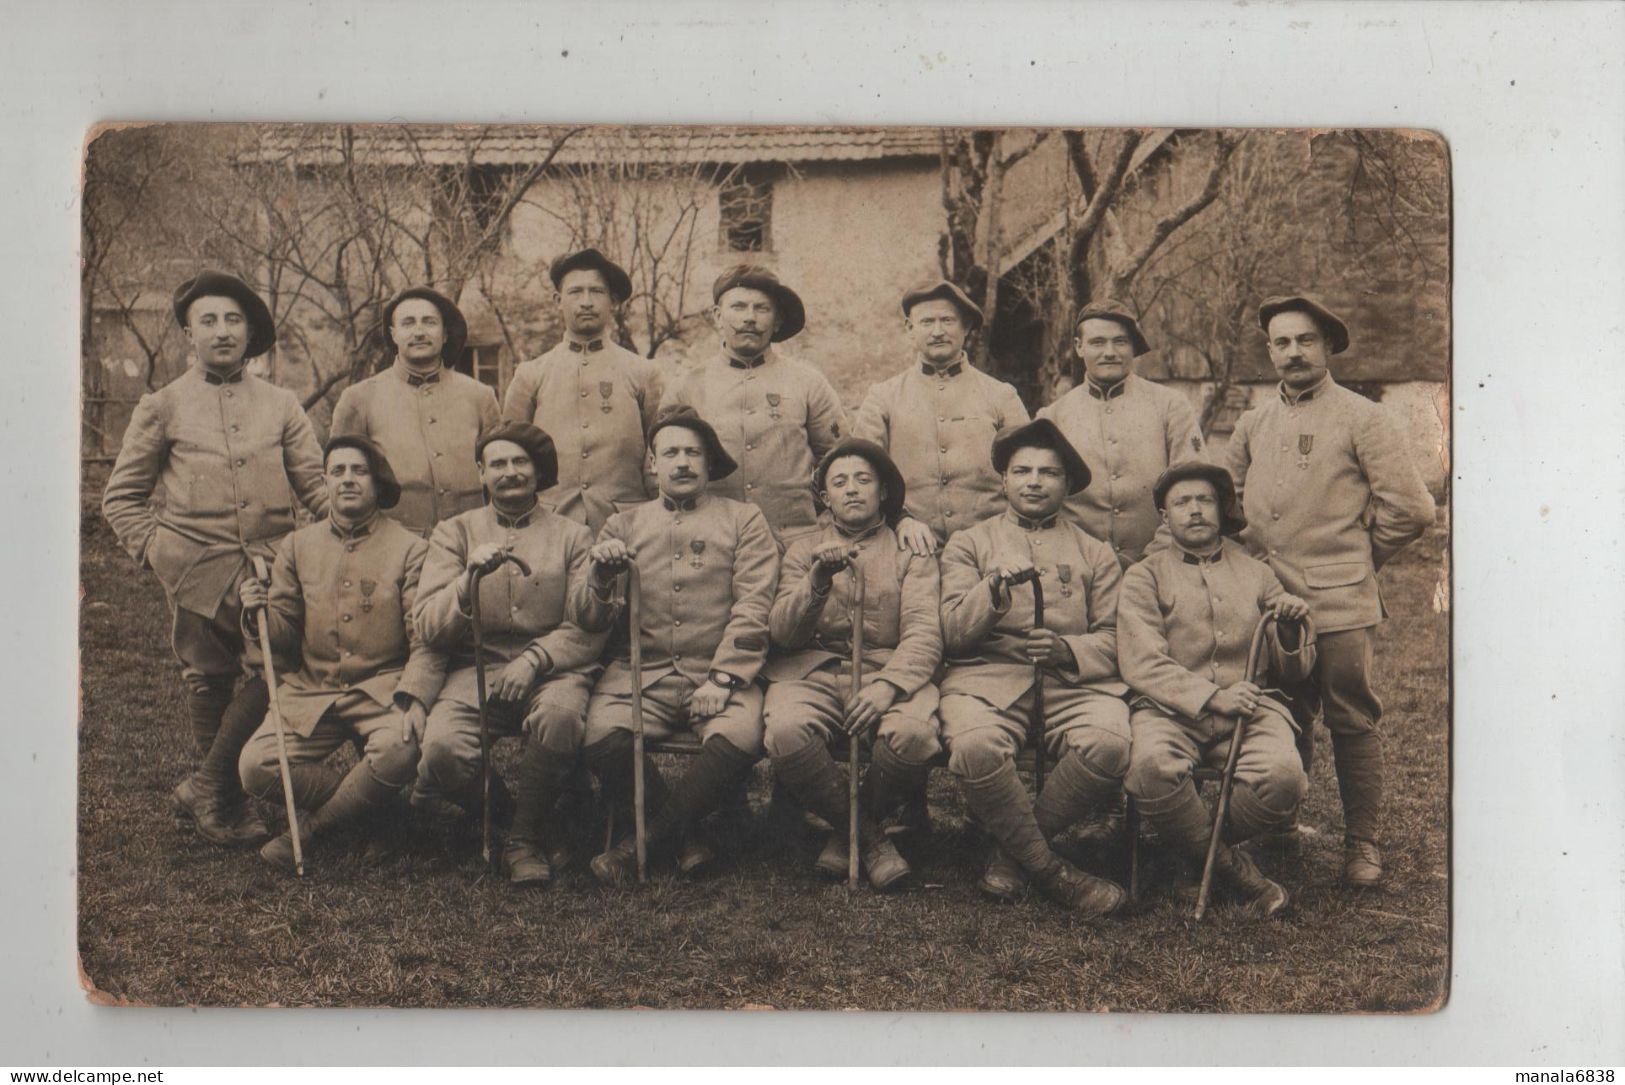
[{"x": 522, "y": 144}]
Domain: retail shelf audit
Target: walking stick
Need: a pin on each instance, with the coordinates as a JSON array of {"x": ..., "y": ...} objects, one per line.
[
  {"x": 1035, "y": 719},
  {"x": 478, "y": 575},
  {"x": 858, "y": 589},
  {"x": 634, "y": 623},
  {"x": 1255, "y": 652},
  {"x": 263, "y": 575}
]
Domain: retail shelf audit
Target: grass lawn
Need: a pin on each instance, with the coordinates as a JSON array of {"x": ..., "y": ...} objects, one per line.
[{"x": 166, "y": 919}]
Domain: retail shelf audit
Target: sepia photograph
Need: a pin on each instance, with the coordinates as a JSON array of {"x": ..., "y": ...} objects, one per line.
[{"x": 765, "y": 567}]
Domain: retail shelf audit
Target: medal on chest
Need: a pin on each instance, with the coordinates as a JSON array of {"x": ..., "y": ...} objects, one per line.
[
  {"x": 697, "y": 548},
  {"x": 1306, "y": 443},
  {"x": 773, "y": 401},
  {"x": 605, "y": 389},
  {"x": 367, "y": 588},
  {"x": 1063, "y": 573}
]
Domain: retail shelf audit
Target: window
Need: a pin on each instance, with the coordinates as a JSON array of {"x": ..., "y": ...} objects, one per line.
[
  {"x": 746, "y": 210},
  {"x": 485, "y": 364}
]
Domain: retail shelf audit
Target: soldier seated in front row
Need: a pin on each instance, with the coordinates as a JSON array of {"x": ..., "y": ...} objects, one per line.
[
  {"x": 810, "y": 677},
  {"x": 1185, "y": 622},
  {"x": 539, "y": 662},
  {"x": 994, "y": 648},
  {"x": 707, "y": 566},
  {"x": 341, "y": 593}
]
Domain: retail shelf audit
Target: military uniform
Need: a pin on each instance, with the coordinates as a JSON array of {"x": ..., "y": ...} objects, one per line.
[
  {"x": 776, "y": 417},
  {"x": 597, "y": 401},
  {"x": 1129, "y": 433},
  {"x": 427, "y": 426},
  {"x": 1330, "y": 494},
  {"x": 708, "y": 566},
  {"x": 521, "y": 615},
  {"x": 1184, "y": 625},
  {"x": 343, "y": 597},
  {"x": 937, "y": 425}
]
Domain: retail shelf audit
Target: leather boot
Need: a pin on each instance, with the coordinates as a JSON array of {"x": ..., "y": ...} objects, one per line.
[
  {"x": 361, "y": 795},
  {"x": 1362, "y": 863},
  {"x": 1001, "y": 802},
  {"x": 1072, "y": 790},
  {"x": 1181, "y": 820},
  {"x": 217, "y": 777},
  {"x": 1002, "y": 879},
  {"x": 713, "y": 776},
  {"x": 230, "y": 825},
  {"x": 813, "y": 777},
  {"x": 541, "y": 779},
  {"x": 893, "y": 792},
  {"x": 610, "y": 760}
]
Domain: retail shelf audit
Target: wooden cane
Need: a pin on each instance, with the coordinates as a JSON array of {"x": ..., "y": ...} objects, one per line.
[
  {"x": 634, "y": 620},
  {"x": 479, "y": 572},
  {"x": 263, "y": 575},
  {"x": 858, "y": 590},
  {"x": 1255, "y": 652}
]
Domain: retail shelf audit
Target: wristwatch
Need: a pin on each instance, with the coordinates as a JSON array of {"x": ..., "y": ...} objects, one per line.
[{"x": 726, "y": 680}]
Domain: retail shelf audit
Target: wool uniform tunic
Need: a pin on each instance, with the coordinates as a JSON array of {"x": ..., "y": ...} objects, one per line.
[
  {"x": 427, "y": 427},
  {"x": 1330, "y": 495},
  {"x": 597, "y": 401},
  {"x": 988, "y": 687},
  {"x": 776, "y": 418},
  {"x": 708, "y": 568},
  {"x": 938, "y": 426},
  {"x": 224, "y": 457},
  {"x": 344, "y": 600},
  {"x": 519, "y": 615},
  {"x": 1184, "y": 626},
  {"x": 810, "y": 674},
  {"x": 1128, "y": 434}
]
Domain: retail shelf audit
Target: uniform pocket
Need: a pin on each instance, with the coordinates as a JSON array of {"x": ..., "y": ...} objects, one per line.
[{"x": 1337, "y": 575}]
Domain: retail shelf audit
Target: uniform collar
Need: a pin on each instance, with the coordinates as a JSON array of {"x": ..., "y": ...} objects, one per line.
[
  {"x": 1027, "y": 524},
  {"x": 590, "y": 347},
  {"x": 235, "y": 376},
  {"x": 856, "y": 536},
  {"x": 680, "y": 504},
  {"x": 1110, "y": 391},
  {"x": 1201, "y": 559},
  {"x": 748, "y": 363},
  {"x": 417, "y": 380},
  {"x": 524, "y": 519},
  {"x": 952, "y": 369},
  {"x": 354, "y": 531},
  {"x": 1290, "y": 398}
]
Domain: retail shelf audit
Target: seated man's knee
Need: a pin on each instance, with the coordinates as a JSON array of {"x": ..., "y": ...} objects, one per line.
[
  {"x": 559, "y": 728},
  {"x": 788, "y": 729},
  {"x": 978, "y": 753},
  {"x": 609, "y": 754},
  {"x": 258, "y": 769},
  {"x": 1155, "y": 771},
  {"x": 912, "y": 738},
  {"x": 1282, "y": 784},
  {"x": 1107, "y": 752},
  {"x": 392, "y": 761}
]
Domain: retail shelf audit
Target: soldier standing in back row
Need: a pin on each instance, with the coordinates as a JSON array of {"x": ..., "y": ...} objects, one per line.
[
  {"x": 937, "y": 419},
  {"x": 423, "y": 413},
  {"x": 1330, "y": 495},
  {"x": 1130, "y": 429},
  {"x": 224, "y": 452},
  {"x": 595, "y": 398},
  {"x": 776, "y": 417}
]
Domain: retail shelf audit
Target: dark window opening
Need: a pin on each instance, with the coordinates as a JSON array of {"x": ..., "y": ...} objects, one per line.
[{"x": 746, "y": 206}]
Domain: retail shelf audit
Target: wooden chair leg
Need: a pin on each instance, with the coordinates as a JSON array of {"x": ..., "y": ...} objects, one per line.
[{"x": 1132, "y": 826}]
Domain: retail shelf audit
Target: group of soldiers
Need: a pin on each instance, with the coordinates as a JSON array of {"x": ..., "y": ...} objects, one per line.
[{"x": 750, "y": 505}]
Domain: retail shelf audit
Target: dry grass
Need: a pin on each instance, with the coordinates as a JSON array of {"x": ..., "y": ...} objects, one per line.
[{"x": 165, "y": 919}]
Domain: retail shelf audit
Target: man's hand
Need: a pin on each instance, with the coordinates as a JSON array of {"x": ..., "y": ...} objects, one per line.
[
  {"x": 872, "y": 702},
  {"x": 1046, "y": 648},
  {"x": 708, "y": 699},
  {"x": 1291, "y": 608},
  {"x": 483, "y": 559},
  {"x": 916, "y": 538},
  {"x": 609, "y": 559},
  {"x": 516, "y": 679},
  {"x": 252, "y": 593},
  {"x": 1003, "y": 574},
  {"x": 1240, "y": 699},
  {"x": 828, "y": 560},
  {"x": 414, "y": 718}
]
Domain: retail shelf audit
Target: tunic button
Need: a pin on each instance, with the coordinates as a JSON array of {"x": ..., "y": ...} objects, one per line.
[
  {"x": 749, "y": 447},
  {"x": 1275, "y": 516},
  {"x": 234, "y": 427},
  {"x": 676, "y": 587},
  {"x": 750, "y": 485},
  {"x": 583, "y": 425},
  {"x": 583, "y": 393},
  {"x": 437, "y": 455},
  {"x": 583, "y": 455},
  {"x": 584, "y": 485},
  {"x": 944, "y": 448},
  {"x": 348, "y": 653},
  {"x": 244, "y": 504},
  {"x": 1116, "y": 477},
  {"x": 228, "y": 393},
  {"x": 241, "y": 462},
  {"x": 346, "y": 583},
  {"x": 677, "y": 621},
  {"x": 1108, "y": 410},
  {"x": 444, "y": 491},
  {"x": 677, "y": 555},
  {"x": 945, "y": 480},
  {"x": 678, "y": 658},
  {"x": 350, "y": 548},
  {"x": 941, "y": 418},
  {"x": 346, "y": 618},
  {"x": 431, "y": 418}
]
